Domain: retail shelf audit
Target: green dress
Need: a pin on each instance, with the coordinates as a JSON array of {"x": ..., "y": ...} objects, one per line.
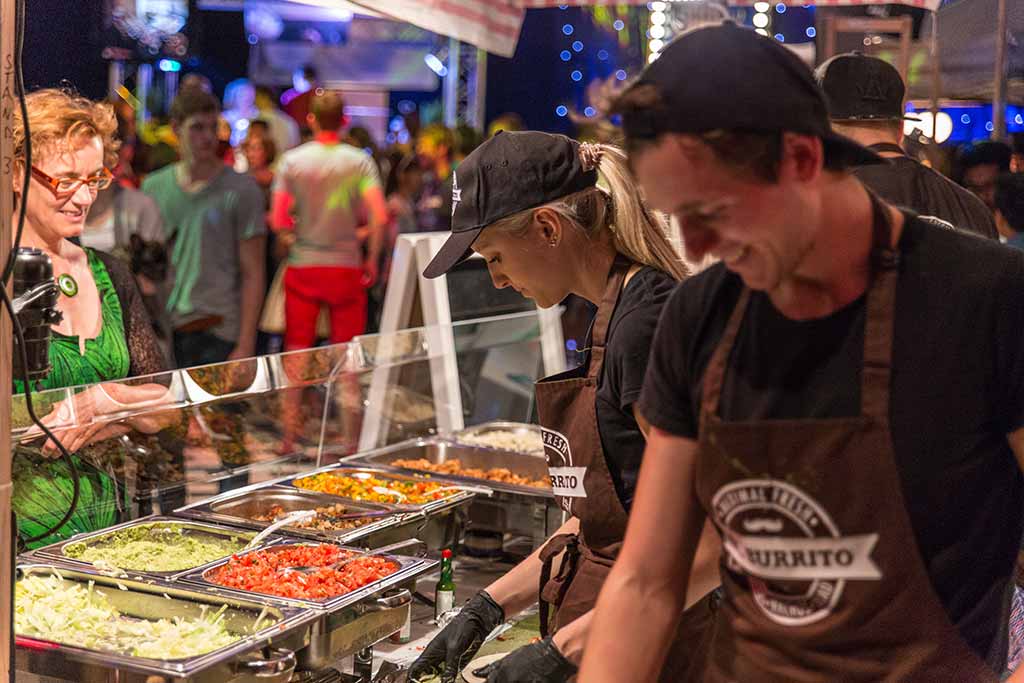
[{"x": 42, "y": 485}]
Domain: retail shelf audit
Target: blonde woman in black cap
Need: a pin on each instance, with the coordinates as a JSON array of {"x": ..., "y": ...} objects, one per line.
[
  {"x": 553, "y": 217},
  {"x": 818, "y": 395}
]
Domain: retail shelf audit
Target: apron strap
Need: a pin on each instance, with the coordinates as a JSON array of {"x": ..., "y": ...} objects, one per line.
[
  {"x": 714, "y": 377},
  {"x": 878, "y": 327},
  {"x": 566, "y": 571},
  {"x": 599, "y": 330},
  {"x": 876, "y": 370}
]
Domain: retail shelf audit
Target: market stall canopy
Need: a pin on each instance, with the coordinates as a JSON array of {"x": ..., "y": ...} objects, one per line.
[
  {"x": 967, "y": 49},
  {"x": 494, "y": 25}
]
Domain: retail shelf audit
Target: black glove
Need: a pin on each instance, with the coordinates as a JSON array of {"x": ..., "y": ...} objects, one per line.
[
  {"x": 457, "y": 643},
  {"x": 539, "y": 662}
]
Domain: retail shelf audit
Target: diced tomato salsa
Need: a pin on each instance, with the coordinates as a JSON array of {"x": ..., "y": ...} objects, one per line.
[{"x": 265, "y": 572}]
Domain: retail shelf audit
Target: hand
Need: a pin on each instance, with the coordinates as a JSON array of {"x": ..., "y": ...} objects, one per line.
[
  {"x": 370, "y": 273},
  {"x": 242, "y": 351},
  {"x": 539, "y": 662},
  {"x": 82, "y": 415},
  {"x": 457, "y": 642}
]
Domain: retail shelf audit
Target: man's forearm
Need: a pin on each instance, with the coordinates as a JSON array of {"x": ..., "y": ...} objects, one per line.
[
  {"x": 517, "y": 589},
  {"x": 252, "y": 304},
  {"x": 652, "y": 615},
  {"x": 374, "y": 242}
]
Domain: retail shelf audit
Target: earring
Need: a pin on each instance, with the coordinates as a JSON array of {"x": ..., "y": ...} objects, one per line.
[{"x": 554, "y": 243}]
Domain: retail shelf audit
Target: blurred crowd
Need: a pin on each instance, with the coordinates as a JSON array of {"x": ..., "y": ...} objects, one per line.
[{"x": 314, "y": 205}]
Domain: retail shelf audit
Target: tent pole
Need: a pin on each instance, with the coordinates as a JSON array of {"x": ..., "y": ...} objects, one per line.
[
  {"x": 450, "y": 85},
  {"x": 999, "y": 90},
  {"x": 933, "y": 48}
]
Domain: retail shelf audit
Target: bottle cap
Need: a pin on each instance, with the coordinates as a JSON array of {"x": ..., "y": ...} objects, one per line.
[{"x": 446, "y": 554}]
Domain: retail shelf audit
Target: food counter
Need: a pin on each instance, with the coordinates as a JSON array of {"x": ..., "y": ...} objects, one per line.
[{"x": 158, "y": 579}]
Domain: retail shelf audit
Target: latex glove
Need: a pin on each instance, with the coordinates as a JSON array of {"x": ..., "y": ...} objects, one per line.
[
  {"x": 452, "y": 649},
  {"x": 539, "y": 662}
]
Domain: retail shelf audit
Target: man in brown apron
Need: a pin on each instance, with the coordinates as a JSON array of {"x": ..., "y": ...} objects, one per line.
[
  {"x": 507, "y": 176},
  {"x": 778, "y": 394}
]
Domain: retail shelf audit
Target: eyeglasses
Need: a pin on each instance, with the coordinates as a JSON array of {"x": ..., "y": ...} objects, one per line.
[{"x": 63, "y": 187}]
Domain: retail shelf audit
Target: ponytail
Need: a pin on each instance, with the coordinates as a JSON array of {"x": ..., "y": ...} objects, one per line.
[
  {"x": 615, "y": 204},
  {"x": 637, "y": 232}
]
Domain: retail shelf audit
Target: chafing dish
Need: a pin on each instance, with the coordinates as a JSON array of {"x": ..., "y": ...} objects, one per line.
[
  {"x": 439, "y": 524},
  {"x": 470, "y": 435},
  {"x": 408, "y": 567},
  {"x": 240, "y": 507},
  {"x": 353, "y": 621},
  {"x": 264, "y": 651},
  {"x": 517, "y": 510},
  {"x": 348, "y": 470},
  {"x": 58, "y": 551},
  {"x": 439, "y": 451}
]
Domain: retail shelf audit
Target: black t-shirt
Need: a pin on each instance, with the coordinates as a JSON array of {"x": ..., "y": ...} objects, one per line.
[
  {"x": 904, "y": 182},
  {"x": 957, "y": 390},
  {"x": 627, "y": 348}
]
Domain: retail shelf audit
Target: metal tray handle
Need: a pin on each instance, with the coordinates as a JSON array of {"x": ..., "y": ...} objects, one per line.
[
  {"x": 275, "y": 663},
  {"x": 390, "y": 600}
]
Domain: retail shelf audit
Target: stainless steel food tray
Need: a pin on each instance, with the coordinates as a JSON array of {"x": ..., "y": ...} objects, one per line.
[
  {"x": 238, "y": 507},
  {"x": 56, "y": 551},
  {"x": 438, "y": 451},
  {"x": 288, "y": 630},
  {"x": 519, "y": 428},
  {"x": 408, "y": 568},
  {"x": 344, "y": 469}
]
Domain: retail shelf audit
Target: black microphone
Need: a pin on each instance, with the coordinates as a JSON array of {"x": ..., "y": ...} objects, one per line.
[{"x": 35, "y": 305}]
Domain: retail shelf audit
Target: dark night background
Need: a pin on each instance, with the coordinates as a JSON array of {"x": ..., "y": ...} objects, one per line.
[{"x": 64, "y": 41}]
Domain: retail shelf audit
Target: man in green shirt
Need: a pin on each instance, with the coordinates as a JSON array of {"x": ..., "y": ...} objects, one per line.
[{"x": 214, "y": 222}]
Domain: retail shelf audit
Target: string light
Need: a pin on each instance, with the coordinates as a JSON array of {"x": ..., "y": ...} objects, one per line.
[
  {"x": 576, "y": 75},
  {"x": 761, "y": 20},
  {"x": 811, "y": 32},
  {"x": 561, "y": 110},
  {"x": 658, "y": 32},
  {"x": 565, "y": 55}
]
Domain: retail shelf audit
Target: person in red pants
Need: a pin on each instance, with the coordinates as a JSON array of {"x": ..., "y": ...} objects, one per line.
[{"x": 320, "y": 191}]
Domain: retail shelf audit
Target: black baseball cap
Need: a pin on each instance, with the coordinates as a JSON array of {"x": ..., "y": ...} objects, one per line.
[
  {"x": 862, "y": 88},
  {"x": 511, "y": 172},
  {"x": 725, "y": 77}
]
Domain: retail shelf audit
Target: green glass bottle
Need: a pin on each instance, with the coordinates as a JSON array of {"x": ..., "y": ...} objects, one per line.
[{"x": 444, "y": 592}]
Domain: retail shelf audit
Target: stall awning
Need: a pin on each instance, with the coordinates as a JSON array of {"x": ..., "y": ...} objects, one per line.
[{"x": 494, "y": 25}]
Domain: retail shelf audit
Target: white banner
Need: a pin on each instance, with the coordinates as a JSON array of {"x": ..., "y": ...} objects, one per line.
[
  {"x": 567, "y": 482},
  {"x": 491, "y": 25},
  {"x": 804, "y": 559}
]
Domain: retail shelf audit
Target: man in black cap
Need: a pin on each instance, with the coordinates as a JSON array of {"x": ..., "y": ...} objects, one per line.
[
  {"x": 865, "y": 100},
  {"x": 818, "y": 394}
]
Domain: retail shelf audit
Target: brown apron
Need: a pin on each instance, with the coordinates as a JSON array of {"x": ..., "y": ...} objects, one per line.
[
  {"x": 567, "y": 408},
  {"x": 822, "y": 576}
]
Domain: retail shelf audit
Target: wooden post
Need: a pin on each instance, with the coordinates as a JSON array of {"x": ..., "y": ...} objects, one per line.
[
  {"x": 8, "y": 101},
  {"x": 999, "y": 86}
]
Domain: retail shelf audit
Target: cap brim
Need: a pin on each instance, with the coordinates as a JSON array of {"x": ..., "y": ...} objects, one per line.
[
  {"x": 851, "y": 153},
  {"x": 455, "y": 250}
]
